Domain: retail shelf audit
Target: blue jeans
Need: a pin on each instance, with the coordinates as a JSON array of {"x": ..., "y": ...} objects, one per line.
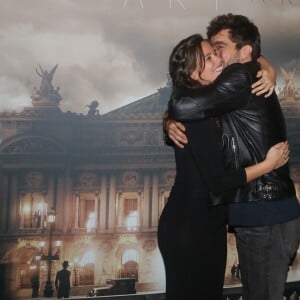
[{"x": 265, "y": 254}]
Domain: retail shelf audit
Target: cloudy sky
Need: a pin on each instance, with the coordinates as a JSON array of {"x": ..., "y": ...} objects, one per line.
[{"x": 116, "y": 51}]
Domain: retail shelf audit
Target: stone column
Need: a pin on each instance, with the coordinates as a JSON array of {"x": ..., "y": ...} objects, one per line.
[
  {"x": 119, "y": 208},
  {"x": 103, "y": 203},
  {"x": 4, "y": 202},
  {"x": 146, "y": 205},
  {"x": 64, "y": 203},
  {"x": 111, "y": 203},
  {"x": 154, "y": 203},
  {"x": 13, "y": 207},
  {"x": 77, "y": 197},
  {"x": 96, "y": 209},
  {"x": 82, "y": 214},
  {"x": 50, "y": 195}
]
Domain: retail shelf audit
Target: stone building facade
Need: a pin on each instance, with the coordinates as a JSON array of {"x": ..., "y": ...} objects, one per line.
[{"x": 106, "y": 177}]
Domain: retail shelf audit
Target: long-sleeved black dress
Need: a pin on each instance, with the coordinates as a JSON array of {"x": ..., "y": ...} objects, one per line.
[{"x": 192, "y": 232}]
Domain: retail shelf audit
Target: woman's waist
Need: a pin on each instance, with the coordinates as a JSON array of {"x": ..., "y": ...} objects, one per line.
[{"x": 187, "y": 185}]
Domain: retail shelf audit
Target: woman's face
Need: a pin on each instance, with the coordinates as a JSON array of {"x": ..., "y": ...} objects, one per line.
[{"x": 213, "y": 65}]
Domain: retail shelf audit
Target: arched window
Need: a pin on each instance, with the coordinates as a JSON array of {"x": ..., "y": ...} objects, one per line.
[
  {"x": 88, "y": 258},
  {"x": 87, "y": 270},
  {"x": 130, "y": 254},
  {"x": 130, "y": 264},
  {"x": 33, "y": 210}
]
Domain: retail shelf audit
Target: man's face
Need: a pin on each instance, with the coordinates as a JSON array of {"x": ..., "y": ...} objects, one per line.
[{"x": 226, "y": 48}]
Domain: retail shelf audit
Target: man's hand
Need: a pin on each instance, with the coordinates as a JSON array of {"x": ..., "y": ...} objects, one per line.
[
  {"x": 175, "y": 132},
  {"x": 265, "y": 85}
]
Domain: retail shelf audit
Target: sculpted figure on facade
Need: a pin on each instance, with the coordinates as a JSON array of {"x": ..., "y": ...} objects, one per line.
[
  {"x": 46, "y": 94},
  {"x": 289, "y": 92},
  {"x": 93, "y": 111}
]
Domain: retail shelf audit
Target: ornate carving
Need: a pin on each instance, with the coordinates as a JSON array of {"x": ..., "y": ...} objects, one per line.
[
  {"x": 130, "y": 178},
  {"x": 88, "y": 179},
  {"x": 31, "y": 145},
  {"x": 106, "y": 246},
  {"x": 149, "y": 245},
  {"x": 169, "y": 177},
  {"x": 131, "y": 137},
  {"x": 154, "y": 137},
  {"x": 34, "y": 178}
]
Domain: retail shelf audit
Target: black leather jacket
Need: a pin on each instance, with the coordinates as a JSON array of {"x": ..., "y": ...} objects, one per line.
[{"x": 251, "y": 125}]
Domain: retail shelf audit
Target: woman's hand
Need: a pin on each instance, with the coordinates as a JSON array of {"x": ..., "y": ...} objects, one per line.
[
  {"x": 265, "y": 85},
  {"x": 267, "y": 79},
  {"x": 278, "y": 155},
  {"x": 175, "y": 131}
]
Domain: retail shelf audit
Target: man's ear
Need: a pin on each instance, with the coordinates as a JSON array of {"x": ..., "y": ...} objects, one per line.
[{"x": 245, "y": 53}]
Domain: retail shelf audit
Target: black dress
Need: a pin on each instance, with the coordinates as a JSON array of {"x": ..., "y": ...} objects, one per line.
[{"x": 191, "y": 232}]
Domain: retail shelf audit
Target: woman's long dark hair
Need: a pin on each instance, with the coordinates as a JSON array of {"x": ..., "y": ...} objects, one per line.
[{"x": 184, "y": 59}]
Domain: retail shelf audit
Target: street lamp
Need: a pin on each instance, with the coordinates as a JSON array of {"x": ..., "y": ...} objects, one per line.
[{"x": 49, "y": 257}]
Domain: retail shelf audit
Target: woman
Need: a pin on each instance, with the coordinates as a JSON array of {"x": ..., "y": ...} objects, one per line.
[{"x": 192, "y": 232}]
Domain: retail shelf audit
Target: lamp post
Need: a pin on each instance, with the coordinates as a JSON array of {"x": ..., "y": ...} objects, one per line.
[
  {"x": 49, "y": 257},
  {"x": 76, "y": 272}
]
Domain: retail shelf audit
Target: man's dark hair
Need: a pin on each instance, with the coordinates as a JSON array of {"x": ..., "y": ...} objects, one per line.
[{"x": 242, "y": 31}]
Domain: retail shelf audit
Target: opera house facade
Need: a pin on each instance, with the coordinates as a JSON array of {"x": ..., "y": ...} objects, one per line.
[{"x": 89, "y": 189}]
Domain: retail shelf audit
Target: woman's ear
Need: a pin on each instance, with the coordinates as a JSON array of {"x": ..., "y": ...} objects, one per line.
[{"x": 195, "y": 75}]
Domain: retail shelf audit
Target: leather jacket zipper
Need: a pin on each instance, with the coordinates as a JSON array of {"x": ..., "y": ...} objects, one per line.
[{"x": 235, "y": 154}]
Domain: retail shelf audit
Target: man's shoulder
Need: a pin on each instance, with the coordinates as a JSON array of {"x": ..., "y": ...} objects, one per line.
[
  {"x": 250, "y": 68},
  {"x": 236, "y": 74},
  {"x": 65, "y": 271}
]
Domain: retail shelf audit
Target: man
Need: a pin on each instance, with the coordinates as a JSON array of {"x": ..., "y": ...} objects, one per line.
[
  {"x": 265, "y": 214},
  {"x": 35, "y": 283},
  {"x": 62, "y": 281}
]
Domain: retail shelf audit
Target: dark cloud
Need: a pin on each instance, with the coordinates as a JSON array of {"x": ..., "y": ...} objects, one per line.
[{"x": 117, "y": 51}]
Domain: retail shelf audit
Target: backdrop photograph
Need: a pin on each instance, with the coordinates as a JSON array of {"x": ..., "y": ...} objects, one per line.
[{"x": 85, "y": 172}]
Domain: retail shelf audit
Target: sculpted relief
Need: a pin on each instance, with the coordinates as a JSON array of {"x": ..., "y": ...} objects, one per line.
[{"x": 289, "y": 92}]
